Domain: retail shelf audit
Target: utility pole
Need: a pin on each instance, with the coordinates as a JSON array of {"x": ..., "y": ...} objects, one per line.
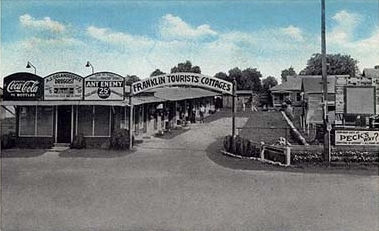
[
  {"x": 324, "y": 86},
  {"x": 234, "y": 107},
  {"x": 131, "y": 117}
]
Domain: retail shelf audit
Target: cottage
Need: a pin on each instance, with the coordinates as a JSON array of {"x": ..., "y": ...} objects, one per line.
[{"x": 289, "y": 90}]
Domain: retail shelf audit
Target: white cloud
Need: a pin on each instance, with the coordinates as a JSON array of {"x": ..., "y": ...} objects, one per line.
[
  {"x": 293, "y": 32},
  {"x": 44, "y": 24},
  {"x": 124, "y": 39},
  {"x": 340, "y": 39},
  {"x": 173, "y": 27},
  {"x": 346, "y": 23},
  {"x": 270, "y": 50}
]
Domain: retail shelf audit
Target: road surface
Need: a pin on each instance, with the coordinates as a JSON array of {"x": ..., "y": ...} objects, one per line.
[{"x": 172, "y": 184}]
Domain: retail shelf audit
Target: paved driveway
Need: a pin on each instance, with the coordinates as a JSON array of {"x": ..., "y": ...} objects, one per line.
[{"x": 172, "y": 184}]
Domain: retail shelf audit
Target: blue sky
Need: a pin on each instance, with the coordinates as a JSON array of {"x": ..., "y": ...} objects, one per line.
[{"x": 136, "y": 37}]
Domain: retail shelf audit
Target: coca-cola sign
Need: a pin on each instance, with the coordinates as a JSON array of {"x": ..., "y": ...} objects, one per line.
[{"x": 23, "y": 86}]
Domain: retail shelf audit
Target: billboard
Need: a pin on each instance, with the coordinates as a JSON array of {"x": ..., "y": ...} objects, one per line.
[
  {"x": 356, "y": 137},
  {"x": 183, "y": 79},
  {"x": 63, "y": 86},
  {"x": 23, "y": 86},
  {"x": 360, "y": 100},
  {"x": 104, "y": 86}
]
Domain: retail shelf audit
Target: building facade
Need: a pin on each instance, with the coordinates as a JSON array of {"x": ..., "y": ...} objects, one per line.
[{"x": 64, "y": 105}]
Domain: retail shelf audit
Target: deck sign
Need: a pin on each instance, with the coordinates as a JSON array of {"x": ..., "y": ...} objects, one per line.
[
  {"x": 23, "y": 86},
  {"x": 183, "y": 79},
  {"x": 356, "y": 137},
  {"x": 63, "y": 86},
  {"x": 104, "y": 86}
]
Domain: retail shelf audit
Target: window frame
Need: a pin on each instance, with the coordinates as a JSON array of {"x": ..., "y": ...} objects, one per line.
[{"x": 35, "y": 123}]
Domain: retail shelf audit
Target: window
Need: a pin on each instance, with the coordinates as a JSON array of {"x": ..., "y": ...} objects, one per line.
[
  {"x": 94, "y": 120},
  {"x": 298, "y": 97},
  {"x": 85, "y": 114},
  {"x": 44, "y": 121},
  {"x": 102, "y": 117},
  {"x": 27, "y": 121},
  {"x": 36, "y": 121}
]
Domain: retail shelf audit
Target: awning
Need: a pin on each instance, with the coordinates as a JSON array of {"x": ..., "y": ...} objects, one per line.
[
  {"x": 61, "y": 102},
  {"x": 138, "y": 100}
]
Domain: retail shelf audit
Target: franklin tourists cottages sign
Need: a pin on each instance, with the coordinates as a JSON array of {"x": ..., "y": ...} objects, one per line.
[
  {"x": 23, "y": 86},
  {"x": 104, "y": 86},
  {"x": 187, "y": 79},
  {"x": 63, "y": 86}
]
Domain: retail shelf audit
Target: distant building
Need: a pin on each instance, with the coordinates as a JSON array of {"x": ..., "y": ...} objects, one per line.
[{"x": 291, "y": 89}]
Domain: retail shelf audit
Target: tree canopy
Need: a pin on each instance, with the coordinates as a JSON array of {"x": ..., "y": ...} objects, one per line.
[
  {"x": 131, "y": 79},
  {"x": 248, "y": 79},
  {"x": 337, "y": 64},
  {"x": 157, "y": 72},
  {"x": 186, "y": 67},
  {"x": 269, "y": 82},
  {"x": 287, "y": 72}
]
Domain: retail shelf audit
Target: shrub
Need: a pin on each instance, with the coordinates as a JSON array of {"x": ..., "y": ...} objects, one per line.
[
  {"x": 79, "y": 142},
  {"x": 240, "y": 146},
  {"x": 8, "y": 140},
  {"x": 120, "y": 139},
  {"x": 228, "y": 143}
]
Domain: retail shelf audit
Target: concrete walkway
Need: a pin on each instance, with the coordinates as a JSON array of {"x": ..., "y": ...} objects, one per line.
[{"x": 171, "y": 185}]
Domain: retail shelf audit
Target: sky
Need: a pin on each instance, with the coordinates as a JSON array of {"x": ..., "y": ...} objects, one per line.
[{"x": 137, "y": 37}]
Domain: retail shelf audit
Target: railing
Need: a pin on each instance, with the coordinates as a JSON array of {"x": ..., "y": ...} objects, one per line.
[{"x": 276, "y": 154}]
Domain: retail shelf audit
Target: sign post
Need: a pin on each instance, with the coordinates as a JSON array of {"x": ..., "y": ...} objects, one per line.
[
  {"x": 234, "y": 108},
  {"x": 131, "y": 116}
]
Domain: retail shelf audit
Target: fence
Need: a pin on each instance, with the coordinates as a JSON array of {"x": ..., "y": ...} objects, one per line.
[{"x": 268, "y": 135}]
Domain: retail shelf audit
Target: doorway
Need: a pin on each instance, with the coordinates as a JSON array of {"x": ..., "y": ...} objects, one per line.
[{"x": 64, "y": 115}]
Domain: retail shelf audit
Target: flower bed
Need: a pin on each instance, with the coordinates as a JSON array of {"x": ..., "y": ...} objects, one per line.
[{"x": 336, "y": 156}]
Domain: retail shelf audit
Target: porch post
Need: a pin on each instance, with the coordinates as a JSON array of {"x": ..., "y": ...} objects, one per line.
[{"x": 130, "y": 119}]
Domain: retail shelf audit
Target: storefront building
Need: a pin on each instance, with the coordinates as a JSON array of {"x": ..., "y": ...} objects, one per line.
[{"x": 63, "y": 105}]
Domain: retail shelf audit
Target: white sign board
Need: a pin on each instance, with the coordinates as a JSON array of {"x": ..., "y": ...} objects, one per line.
[
  {"x": 183, "y": 79},
  {"x": 104, "y": 86},
  {"x": 63, "y": 86},
  {"x": 351, "y": 137}
]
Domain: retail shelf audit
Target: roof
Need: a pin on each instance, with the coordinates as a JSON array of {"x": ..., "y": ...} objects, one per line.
[
  {"x": 313, "y": 84},
  {"x": 138, "y": 100},
  {"x": 293, "y": 83},
  {"x": 171, "y": 94},
  {"x": 371, "y": 72},
  {"x": 181, "y": 93}
]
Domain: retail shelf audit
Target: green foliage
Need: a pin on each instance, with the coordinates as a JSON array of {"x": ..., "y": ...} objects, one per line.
[
  {"x": 79, "y": 142},
  {"x": 131, "y": 79},
  {"x": 8, "y": 140},
  {"x": 120, "y": 139},
  {"x": 337, "y": 64},
  {"x": 248, "y": 79},
  {"x": 287, "y": 72},
  {"x": 240, "y": 146},
  {"x": 157, "y": 72},
  {"x": 186, "y": 67},
  {"x": 269, "y": 82}
]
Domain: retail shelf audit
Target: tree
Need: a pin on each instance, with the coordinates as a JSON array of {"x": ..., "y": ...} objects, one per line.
[
  {"x": 248, "y": 79},
  {"x": 157, "y": 72},
  {"x": 269, "y": 82},
  {"x": 287, "y": 72},
  {"x": 223, "y": 76},
  {"x": 251, "y": 79},
  {"x": 186, "y": 67},
  {"x": 337, "y": 64},
  {"x": 131, "y": 79}
]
